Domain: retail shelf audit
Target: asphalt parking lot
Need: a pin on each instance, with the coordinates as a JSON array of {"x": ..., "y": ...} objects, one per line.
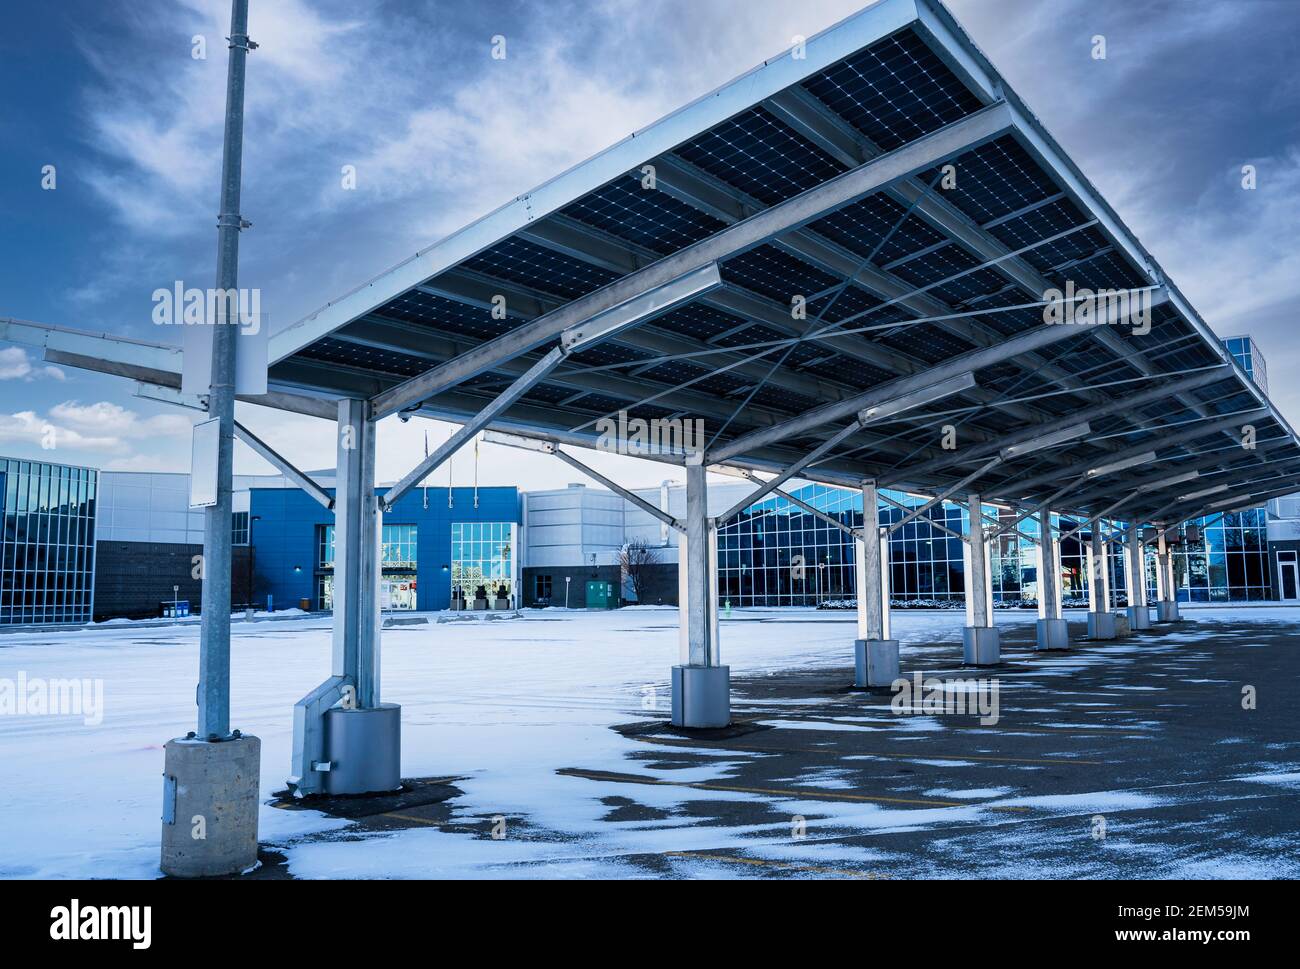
[{"x": 1171, "y": 754}]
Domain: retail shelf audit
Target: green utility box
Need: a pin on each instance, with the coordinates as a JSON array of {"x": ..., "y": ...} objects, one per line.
[{"x": 601, "y": 595}]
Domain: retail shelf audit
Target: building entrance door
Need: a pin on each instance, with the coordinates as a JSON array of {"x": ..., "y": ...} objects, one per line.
[{"x": 1288, "y": 577}]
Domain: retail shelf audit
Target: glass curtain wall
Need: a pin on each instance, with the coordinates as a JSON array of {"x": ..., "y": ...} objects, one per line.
[
  {"x": 777, "y": 554},
  {"x": 399, "y": 563},
  {"x": 47, "y": 550},
  {"x": 482, "y": 554},
  {"x": 1229, "y": 563}
]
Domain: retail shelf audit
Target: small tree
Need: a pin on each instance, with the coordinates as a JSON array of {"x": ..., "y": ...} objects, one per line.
[{"x": 635, "y": 560}]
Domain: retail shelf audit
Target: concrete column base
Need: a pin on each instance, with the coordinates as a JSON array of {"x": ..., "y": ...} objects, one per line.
[
  {"x": 1052, "y": 634},
  {"x": 1101, "y": 625},
  {"x": 981, "y": 646},
  {"x": 701, "y": 696},
  {"x": 364, "y": 749},
  {"x": 875, "y": 662},
  {"x": 1167, "y": 611},
  {"x": 1139, "y": 617},
  {"x": 1123, "y": 630},
  {"x": 210, "y": 806}
]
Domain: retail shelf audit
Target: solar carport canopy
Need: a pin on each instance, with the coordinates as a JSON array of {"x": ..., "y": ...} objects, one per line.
[{"x": 873, "y": 217}]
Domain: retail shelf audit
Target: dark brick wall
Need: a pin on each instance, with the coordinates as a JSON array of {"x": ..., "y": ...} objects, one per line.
[
  {"x": 661, "y": 583},
  {"x": 133, "y": 578},
  {"x": 581, "y": 574}
]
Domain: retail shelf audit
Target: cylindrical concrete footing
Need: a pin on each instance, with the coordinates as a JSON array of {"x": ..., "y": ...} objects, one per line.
[
  {"x": 875, "y": 662},
  {"x": 1167, "y": 611},
  {"x": 1101, "y": 625},
  {"x": 364, "y": 749},
  {"x": 210, "y": 806},
  {"x": 1139, "y": 617},
  {"x": 701, "y": 696},
  {"x": 981, "y": 646},
  {"x": 1052, "y": 634}
]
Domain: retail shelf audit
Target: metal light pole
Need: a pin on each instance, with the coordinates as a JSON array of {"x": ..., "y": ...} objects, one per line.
[
  {"x": 214, "y": 634},
  {"x": 211, "y": 778}
]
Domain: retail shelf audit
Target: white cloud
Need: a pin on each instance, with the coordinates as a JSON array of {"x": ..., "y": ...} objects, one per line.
[
  {"x": 15, "y": 364},
  {"x": 485, "y": 145},
  {"x": 25, "y": 427},
  {"x": 104, "y": 417},
  {"x": 162, "y": 129},
  {"x": 1226, "y": 248},
  {"x": 98, "y": 428}
]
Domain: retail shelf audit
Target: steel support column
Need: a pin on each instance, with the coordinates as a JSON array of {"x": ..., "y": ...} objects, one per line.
[
  {"x": 1101, "y": 622},
  {"x": 981, "y": 642},
  {"x": 1139, "y": 615},
  {"x": 357, "y": 530},
  {"x": 875, "y": 658},
  {"x": 701, "y": 685},
  {"x": 1052, "y": 630},
  {"x": 346, "y": 741},
  {"x": 1167, "y": 596}
]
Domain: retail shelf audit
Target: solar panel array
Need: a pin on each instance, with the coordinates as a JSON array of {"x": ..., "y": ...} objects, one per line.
[{"x": 721, "y": 358}]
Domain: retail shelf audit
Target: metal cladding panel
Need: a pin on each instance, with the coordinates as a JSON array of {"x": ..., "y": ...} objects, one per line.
[{"x": 899, "y": 72}]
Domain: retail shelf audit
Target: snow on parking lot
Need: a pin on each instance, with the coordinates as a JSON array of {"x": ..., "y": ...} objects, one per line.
[{"x": 501, "y": 704}]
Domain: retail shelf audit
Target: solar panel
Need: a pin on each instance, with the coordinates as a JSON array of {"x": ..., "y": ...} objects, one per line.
[
  {"x": 761, "y": 157},
  {"x": 785, "y": 130},
  {"x": 652, "y": 220},
  {"x": 894, "y": 91},
  {"x": 544, "y": 270},
  {"x": 862, "y": 227}
]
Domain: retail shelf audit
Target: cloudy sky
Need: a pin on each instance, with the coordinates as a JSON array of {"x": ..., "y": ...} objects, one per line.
[{"x": 440, "y": 132}]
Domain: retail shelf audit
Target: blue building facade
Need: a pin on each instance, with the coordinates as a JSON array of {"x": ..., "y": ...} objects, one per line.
[{"x": 430, "y": 539}]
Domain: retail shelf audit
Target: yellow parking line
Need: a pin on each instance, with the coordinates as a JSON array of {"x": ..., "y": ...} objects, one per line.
[{"x": 411, "y": 817}]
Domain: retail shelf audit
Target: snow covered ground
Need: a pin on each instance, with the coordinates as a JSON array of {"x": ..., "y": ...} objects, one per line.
[{"x": 502, "y": 705}]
